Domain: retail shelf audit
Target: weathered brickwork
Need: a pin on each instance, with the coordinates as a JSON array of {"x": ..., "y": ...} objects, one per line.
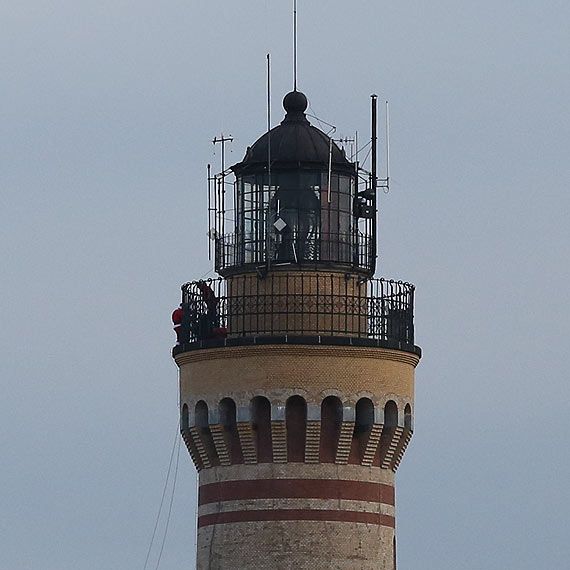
[
  {"x": 281, "y": 371},
  {"x": 291, "y": 471},
  {"x": 271, "y": 304},
  {"x": 284, "y": 506},
  {"x": 288, "y": 545},
  {"x": 299, "y": 488},
  {"x": 297, "y": 504}
]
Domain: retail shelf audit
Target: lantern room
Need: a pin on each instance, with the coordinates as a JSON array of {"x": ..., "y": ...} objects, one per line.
[{"x": 295, "y": 204}]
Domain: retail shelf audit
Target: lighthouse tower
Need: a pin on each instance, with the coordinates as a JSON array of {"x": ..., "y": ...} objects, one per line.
[{"x": 296, "y": 365}]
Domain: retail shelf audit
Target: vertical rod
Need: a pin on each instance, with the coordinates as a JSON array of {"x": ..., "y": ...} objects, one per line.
[
  {"x": 356, "y": 143},
  {"x": 219, "y": 201},
  {"x": 223, "y": 196},
  {"x": 374, "y": 177},
  {"x": 374, "y": 141},
  {"x": 269, "y": 119},
  {"x": 257, "y": 307},
  {"x": 266, "y": 208},
  {"x": 236, "y": 221},
  {"x": 210, "y": 236},
  {"x": 294, "y": 45},
  {"x": 256, "y": 200},
  {"x": 387, "y": 146},
  {"x": 220, "y": 180},
  {"x": 355, "y": 235},
  {"x": 329, "y": 172},
  {"x": 357, "y": 253},
  {"x": 216, "y": 205}
]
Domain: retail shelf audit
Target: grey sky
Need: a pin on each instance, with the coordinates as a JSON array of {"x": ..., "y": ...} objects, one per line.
[{"x": 107, "y": 112}]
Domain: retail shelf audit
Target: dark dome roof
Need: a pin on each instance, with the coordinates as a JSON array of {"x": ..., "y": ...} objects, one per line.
[{"x": 295, "y": 142}]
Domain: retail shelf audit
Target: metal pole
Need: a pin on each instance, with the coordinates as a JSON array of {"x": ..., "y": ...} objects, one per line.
[
  {"x": 220, "y": 183},
  {"x": 210, "y": 236},
  {"x": 374, "y": 180},
  {"x": 223, "y": 186},
  {"x": 269, "y": 120},
  {"x": 387, "y": 146},
  {"x": 329, "y": 172},
  {"x": 223, "y": 156},
  {"x": 222, "y": 177},
  {"x": 295, "y": 45},
  {"x": 374, "y": 141},
  {"x": 267, "y": 220}
]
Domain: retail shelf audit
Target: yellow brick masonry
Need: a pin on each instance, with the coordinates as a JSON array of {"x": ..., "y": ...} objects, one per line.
[
  {"x": 278, "y": 371},
  {"x": 295, "y": 545},
  {"x": 271, "y": 303},
  {"x": 296, "y": 470}
]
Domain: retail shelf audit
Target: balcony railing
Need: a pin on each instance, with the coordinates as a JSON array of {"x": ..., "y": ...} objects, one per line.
[
  {"x": 302, "y": 306},
  {"x": 352, "y": 250}
]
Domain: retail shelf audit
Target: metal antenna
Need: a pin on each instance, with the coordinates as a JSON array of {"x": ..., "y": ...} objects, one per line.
[
  {"x": 267, "y": 255},
  {"x": 330, "y": 168},
  {"x": 294, "y": 45},
  {"x": 374, "y": 175},
  {"x": 356, "y": 145},
  {"x": 223, "y": 140},
  {"x": 387, "y": 147},
  {"x": 374, "y": 140},
  {"x": 222, "y": 182},
  {"x": 269, "y": 118},
  {"x": 210, "y": 209}
]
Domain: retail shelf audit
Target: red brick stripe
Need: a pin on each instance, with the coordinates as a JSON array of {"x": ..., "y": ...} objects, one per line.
[
  {"x": 296, "y": 515},
  {"x": 296, "y": 489}
]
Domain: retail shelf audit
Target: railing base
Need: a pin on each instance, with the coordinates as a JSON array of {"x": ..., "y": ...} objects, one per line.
[{"x": 296, "y": 339}]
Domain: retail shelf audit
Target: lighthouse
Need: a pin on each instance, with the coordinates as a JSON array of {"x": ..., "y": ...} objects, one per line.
[{"x": 296, "y": 365}]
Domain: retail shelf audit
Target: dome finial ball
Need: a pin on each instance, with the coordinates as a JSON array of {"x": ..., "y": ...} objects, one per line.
[{"x": 295, "y": 102}]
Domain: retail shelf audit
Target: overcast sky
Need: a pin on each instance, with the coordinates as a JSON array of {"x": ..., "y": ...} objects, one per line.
[{"x": 107, "y": 111}]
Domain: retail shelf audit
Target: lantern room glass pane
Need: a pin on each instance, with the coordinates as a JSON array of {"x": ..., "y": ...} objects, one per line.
[
  {"x": 295, "y": 209},
  {"x": 337, "y": 228},
  {"x": 296, "y": 218}
]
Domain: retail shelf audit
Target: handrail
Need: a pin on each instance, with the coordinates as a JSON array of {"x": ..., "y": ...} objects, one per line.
[
  {"x": 300, "y": 304},
  {"x": 352, "y": 249}
]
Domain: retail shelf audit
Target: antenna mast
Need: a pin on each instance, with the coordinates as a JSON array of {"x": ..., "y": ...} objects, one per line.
[
  {"x": 220, "y": 185},
  {"x": 387, "y": 147},
  {"x": 374, "y": 178},
  {"x": 211, "y": 215},
  {"x": 294, "y": 45},
  {"x": 267, "y": 220},
  {"x": 269, "y": 119}
]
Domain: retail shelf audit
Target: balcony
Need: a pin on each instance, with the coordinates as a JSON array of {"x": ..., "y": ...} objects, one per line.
[
  {"x": 297, "y": 308},
  {"x": 236, "y": 253}
]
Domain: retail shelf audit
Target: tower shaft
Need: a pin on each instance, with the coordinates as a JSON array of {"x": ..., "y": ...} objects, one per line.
[{"x": 296, "y": 447}]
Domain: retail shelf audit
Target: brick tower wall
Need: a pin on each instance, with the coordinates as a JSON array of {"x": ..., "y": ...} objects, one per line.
[
  {"x": 331, "y": 304},
  {"x": 296, "y": 448}
]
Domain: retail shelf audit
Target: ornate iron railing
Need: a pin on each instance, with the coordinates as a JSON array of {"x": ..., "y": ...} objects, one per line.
[
  {"x": 298, "y": 304},
  {"x": 348, "y": 249}
]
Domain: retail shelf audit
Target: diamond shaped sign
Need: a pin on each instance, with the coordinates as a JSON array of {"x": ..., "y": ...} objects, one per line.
[{"x": 280, "y": 225}]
